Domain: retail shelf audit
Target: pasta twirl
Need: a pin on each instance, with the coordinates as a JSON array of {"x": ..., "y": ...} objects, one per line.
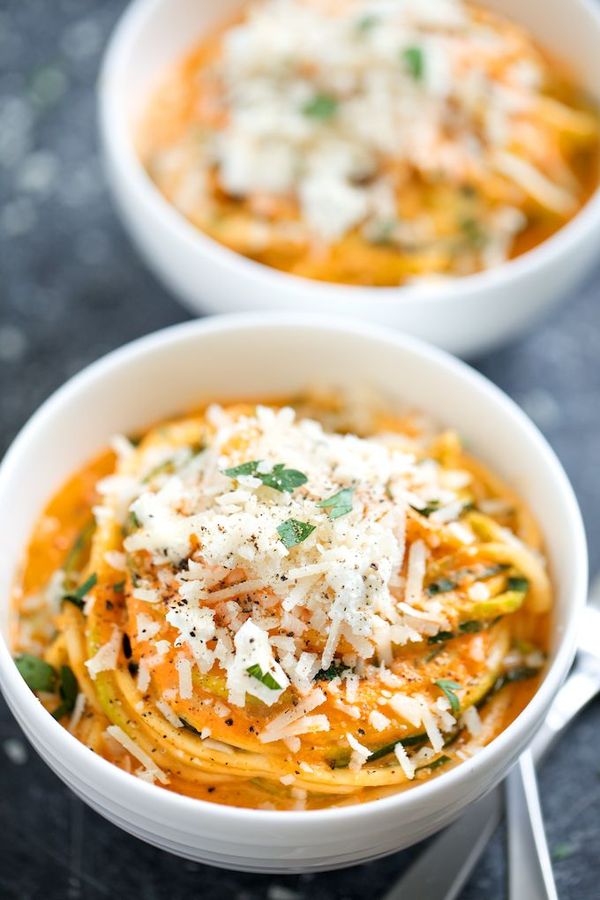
[{"x": 285, "y": 605}]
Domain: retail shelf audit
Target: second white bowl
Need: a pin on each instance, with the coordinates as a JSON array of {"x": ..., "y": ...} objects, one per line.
[{"x": 464, "y": 315}]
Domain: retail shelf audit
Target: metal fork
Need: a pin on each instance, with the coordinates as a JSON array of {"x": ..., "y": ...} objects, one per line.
[{"x": 442, "y": 869}]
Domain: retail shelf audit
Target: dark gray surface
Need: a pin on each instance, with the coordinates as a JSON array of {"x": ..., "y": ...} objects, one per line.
[{"x": 71, "y": 288}]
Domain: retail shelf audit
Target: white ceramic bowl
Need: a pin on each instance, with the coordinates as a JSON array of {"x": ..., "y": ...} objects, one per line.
[
  {"x": 465, "y": 315},
  {"x": 172, "y": 371}
]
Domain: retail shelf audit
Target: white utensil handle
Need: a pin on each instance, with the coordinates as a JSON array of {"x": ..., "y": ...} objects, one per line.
[
  {"x": 530, "y": 875},
  {"x": 463, "y": 843}
]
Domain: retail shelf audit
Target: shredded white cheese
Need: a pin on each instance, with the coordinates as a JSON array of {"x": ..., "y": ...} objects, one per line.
[
  {"x": 404, "y": 760},
  {"x": 378, "y": 721},
  {"x": 105, "y": 658},
  {"x": 184, "y": 672},
  {"x": 136, "y": 751}
]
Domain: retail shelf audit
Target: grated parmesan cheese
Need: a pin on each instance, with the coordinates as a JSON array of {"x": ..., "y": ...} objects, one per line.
[
  {"x": 130, "y": 745},
  {"x": 471, "y": 720},
  {"x": 169, "y": 715},
  {"x": 404, "y": 760},
  {"x": 184, "y": 673},
  {"x": 378, "y": 721},
  {"x": 277, "y": 725},
  {"x": 359, "y": 755},
  {"x": 105, "y": 658},
  {"x": 77, "y": 713}
]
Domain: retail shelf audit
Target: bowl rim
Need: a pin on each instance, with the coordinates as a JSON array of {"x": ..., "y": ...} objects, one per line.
[
  {"x": 111, "y": 780},
  {"x": 120, "y": 151}
]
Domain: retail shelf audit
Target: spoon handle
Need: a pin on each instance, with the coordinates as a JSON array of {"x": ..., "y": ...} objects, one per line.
[{"x": 530, "y": 875}]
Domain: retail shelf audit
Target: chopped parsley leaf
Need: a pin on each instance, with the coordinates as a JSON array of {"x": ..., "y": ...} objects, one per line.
[
  {"x": 279, "y": 478},
  {"x": 76, "y": 597},
  {"x": 440, "y": 637},
  {"x": 427, "y": 510},
  {"x": 335, "y": 669},
  {"x": 265, "y": 677},
  {"x": 470, "y": 627},
  {"x": 365, "y": 23},
  {"x": 293, "y": 532},
  {"x": 415, "y": 62},
  {"x": 132, "y": 522},
  {"x": 441, "y": 586},
  {"x": 321, "y": 106},
  {"x": 247, "y": 468},
  {"x": 74, "y": 560},
  {"x": 68, "y": 690},
  {"x": 339, "y": 504},
  {"x": 37, "y": 673},
  {"x": 448, "y": 687}
]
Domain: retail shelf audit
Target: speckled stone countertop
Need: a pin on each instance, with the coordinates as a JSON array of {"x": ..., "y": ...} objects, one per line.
[{"x": 72, "y": 288}]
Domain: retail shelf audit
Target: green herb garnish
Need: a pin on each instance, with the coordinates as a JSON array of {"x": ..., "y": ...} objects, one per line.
[
  {"x": 334, "y": 671},
  {"x": 282, "y": 479},
  {"x": 441, "y": 586},
  {"x": 365, "y": 23},
  {"x": 448, "y": 688},
  {"x": 76, "y": 597},
  {"x": 440, "y": 637},
  {"x": 132, "y": 522},
  {"x": 293, "y": 532},
  {"x": 427, "y": 510},
  {"x": 247, "y": 468},
  {"x": 37, "y": 673},
  {"x": 279, "y": 478},
  {"x": 68, "y": 690},
  {"x": 339, "y": 504},
  {"x": 264, "y": 677},
  {"x": 321, "y": 106},
  {"x": 470, "y": 627},
  {"x": 414, "y": 61},
  {"x": 75, "y": 556},
  {"x": 119, "y": 587},
  {"x": 473, "y": 232},
  {"x": 517, "y": 584}
]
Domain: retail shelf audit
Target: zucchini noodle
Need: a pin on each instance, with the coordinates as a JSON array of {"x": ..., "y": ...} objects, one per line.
[{"x": 287, "y": 605}]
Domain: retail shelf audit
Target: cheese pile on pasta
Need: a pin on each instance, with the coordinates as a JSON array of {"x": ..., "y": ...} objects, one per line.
[
  {"x": 287, "y": 607},
  {"x": 372, "y": 141}
]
